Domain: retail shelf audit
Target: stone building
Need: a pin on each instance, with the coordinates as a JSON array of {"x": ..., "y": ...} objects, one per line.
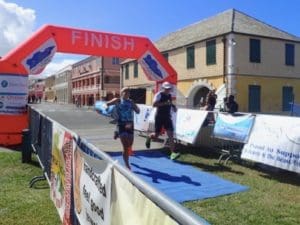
[
  {"x": 63, "y": 86},
  {"x": 95, "y": 78},
  {"x": 232, "y": 53}
]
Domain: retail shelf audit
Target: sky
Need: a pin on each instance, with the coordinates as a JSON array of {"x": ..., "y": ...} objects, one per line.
[{"x": 151, "y": 18}]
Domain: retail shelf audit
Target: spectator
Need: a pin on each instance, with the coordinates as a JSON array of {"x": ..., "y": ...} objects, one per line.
[
  {"x": 231, "y": 105},
  {"x": 33, "y": 99},
  {"x": 202, "y": 103},
  {"x": 211, "y": 100},
  {"x": 224, "y": 105}
]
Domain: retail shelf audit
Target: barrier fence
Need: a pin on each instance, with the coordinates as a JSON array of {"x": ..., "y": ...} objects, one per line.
[
  {"x": 96, "y": 190},
  {"x": 41, "y": 138},
  {"x": 271, "y": 140}
]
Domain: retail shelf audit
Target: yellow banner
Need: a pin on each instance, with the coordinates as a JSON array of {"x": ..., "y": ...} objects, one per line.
[{"x": 129, "y": 206}]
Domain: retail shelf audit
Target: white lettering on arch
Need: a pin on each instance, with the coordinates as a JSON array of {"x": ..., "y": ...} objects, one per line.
[
  {"x": 96, "y": 39},
  {"x": 102, "y": 40}
]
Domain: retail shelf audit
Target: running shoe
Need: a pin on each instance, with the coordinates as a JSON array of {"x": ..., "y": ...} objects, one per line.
[
  {"x": 148, "y": 142},
  {"x": 174, "y": 155}
]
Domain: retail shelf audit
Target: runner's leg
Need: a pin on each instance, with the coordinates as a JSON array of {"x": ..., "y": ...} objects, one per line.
[{"x": 126, "y": 144}]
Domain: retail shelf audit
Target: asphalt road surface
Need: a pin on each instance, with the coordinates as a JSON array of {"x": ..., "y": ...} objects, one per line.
[{"x": 88, "y": 124}]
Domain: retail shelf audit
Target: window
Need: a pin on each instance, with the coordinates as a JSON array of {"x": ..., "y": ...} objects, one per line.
[
  {"x": 166, "y": 56},
  {"x": 190, "y": 57},
  {"x": 287, "y": 98},
  {"x": 289, "y": 54},
  {"x": 115, "y": 61},
  {"x": 255, "y": 50},
  {"x": 135, "y": 70},
  {"x": 126, "y": 71},
  {"x": 112, "y": 80},
  {"x": 254, "y": 98},
  {"x": 211, "y": 52}
]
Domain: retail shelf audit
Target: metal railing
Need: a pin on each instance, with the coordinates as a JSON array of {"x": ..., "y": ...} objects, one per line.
[{"x": 41, "y": 133}]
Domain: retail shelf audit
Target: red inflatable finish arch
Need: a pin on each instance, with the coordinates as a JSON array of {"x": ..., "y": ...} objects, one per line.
[{"x": 32, "y": 56}]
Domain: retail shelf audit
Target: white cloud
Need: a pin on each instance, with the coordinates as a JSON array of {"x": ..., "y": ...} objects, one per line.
[{"x": 16, "y": 25}]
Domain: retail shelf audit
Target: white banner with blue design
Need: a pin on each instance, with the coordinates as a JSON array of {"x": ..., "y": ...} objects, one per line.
[
  {"x": 142, "y": 119},
  {"x": 188, "y": 123},
  {"x": 13, "y": 93},
  {"x": 235, "y": 128},
  {"x": 275, "y": 141}
]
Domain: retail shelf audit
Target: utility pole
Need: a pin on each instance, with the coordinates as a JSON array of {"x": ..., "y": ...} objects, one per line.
[{"x": 102, "y": 76}]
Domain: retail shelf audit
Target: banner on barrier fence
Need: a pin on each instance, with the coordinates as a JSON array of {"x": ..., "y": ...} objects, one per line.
[
  {"x": 141, "y": 120},
  {"x": 235, "y": 128},
  {"x": 188, "y": 123},
  {"x": 61, "y": 172},
  {"x": 139, "y": 209},
  {"x": 275, "y": 141},
  {"x": 92, "y": 188}
]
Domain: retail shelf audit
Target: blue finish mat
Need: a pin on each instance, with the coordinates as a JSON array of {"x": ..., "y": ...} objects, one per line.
[{"x": 178, "y": 181}]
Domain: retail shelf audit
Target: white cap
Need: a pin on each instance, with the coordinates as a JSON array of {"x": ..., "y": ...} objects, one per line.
[
  {"x": 124, "y": 89},
  {"x": 166, "y": 85}
]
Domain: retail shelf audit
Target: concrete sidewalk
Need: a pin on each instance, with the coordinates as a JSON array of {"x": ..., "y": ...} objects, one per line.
[{"x": 3, "y": 149}]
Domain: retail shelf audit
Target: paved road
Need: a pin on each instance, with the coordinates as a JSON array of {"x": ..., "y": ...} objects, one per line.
[
  {"x": 3, "y": 149},
  {"x": 90, "y": 125}
]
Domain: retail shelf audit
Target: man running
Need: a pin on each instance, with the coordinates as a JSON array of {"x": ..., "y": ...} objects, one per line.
[
  {"x": 163, "y": 102},
  {"x": 125, "y": 108}
]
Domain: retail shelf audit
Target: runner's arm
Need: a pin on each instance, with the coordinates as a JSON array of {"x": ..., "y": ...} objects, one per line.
[
  {"x": 135, "y": 108},
  {"x": 113, "y": 101}
]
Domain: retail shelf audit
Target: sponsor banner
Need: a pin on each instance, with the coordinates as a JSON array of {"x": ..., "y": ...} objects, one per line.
[
  {"x": 152, "y": 68},
  {"x": 61, "y": 172},
  {"x": 188, "y": 124},
  {"x": 13, "y": 94},
  {"x": 141, "y": 120},
  {"x": 92, "y": 187},
  {"x": 130, "y": 206},
  {"x": 275, "y": 141},
  {"x": 36, "y": 62},
  {"x": 235, "y": 128}
]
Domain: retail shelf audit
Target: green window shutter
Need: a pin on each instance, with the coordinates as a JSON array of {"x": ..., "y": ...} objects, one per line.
[
  {"x": 289, "y": 54},
  {"x": 136, "y": 71},
  {"x": 254, "y": 50},
  {"x": 211, "y": 52},
  {"x": 127, "y": 71},
  {"x": 190, "y": 57}
]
